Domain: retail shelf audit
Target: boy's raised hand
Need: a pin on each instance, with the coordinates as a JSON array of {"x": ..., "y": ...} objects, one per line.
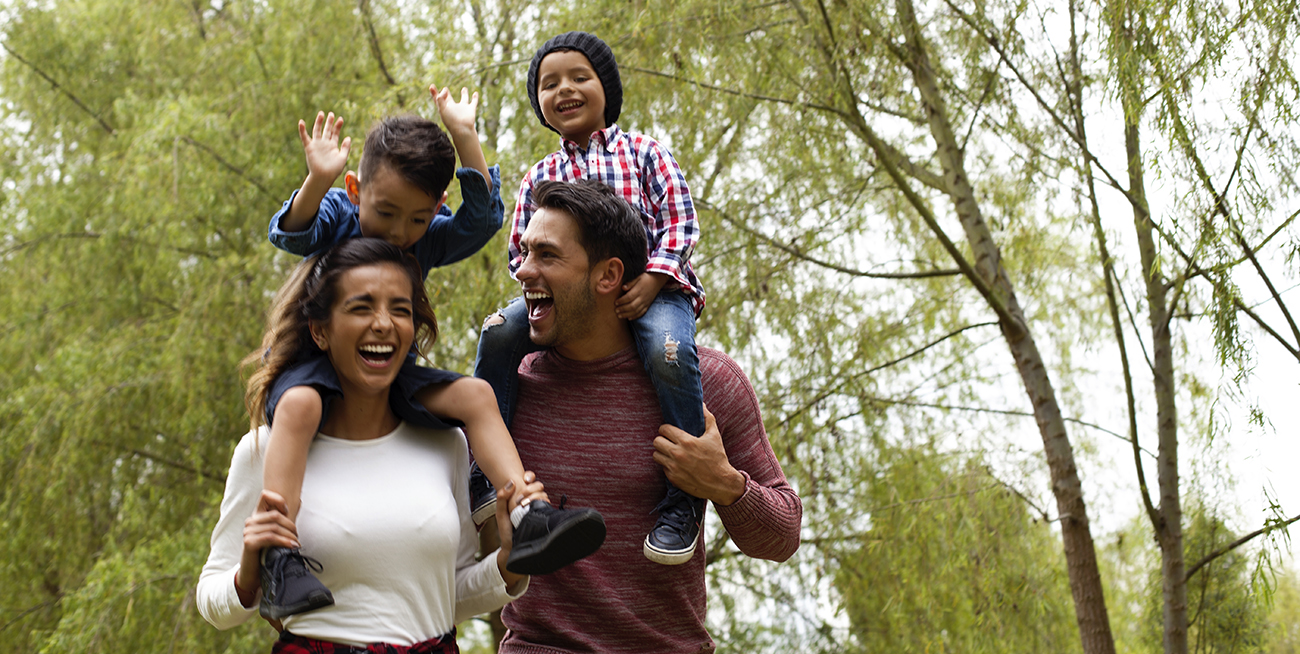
[
  {"x": 455, "y": 115},
  {"x": 326, "y": 157}
]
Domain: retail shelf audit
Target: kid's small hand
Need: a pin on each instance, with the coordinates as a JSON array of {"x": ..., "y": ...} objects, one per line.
[
  {"x": 455, "y": 115},
  {"x": 326, "y": 157},
  {"x": 638, "y": 294}
]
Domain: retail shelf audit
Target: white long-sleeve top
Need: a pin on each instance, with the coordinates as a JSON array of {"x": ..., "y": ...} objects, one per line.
[{"x": 388, "y": 519}]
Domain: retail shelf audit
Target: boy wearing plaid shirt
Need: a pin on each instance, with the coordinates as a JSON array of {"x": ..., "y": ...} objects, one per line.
[{"x": 575, "y": 90}]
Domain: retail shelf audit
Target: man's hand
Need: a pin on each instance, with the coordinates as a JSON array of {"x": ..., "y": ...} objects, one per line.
[
  {"x": 638, "y": 294},
  {"x": 326, "y": 157},
  {"x": 699, "y": 466}
]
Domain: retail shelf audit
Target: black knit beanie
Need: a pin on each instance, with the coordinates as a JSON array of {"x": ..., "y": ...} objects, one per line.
[{"x": 602, "y": 61}]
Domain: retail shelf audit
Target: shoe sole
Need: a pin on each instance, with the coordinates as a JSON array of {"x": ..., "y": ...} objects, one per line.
[
  {"x": 484, "y": 512},
  {"x": 573, "y": 541},
  {"x": 313, "y": 601},
  {"x": 667, "y": 557}
]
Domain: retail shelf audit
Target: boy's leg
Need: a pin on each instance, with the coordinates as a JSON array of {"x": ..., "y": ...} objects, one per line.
[
  {"x": 665, "y": 339},
  {"x": 502, "y": 346},
  {"x": 295, "y": 409}
]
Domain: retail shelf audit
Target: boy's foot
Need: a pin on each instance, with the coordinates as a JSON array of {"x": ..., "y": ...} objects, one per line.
[
  {"x": 672, "y": 541},
  {"x": 548, "y": 538},
  {"x": 288, "y": 586},
  {"x": 482, "y": 496}
]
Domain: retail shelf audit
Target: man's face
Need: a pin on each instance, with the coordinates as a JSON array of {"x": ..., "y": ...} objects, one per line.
[
  {"x": 556, "y": 280},
  {"x": 392, "y": 208}
]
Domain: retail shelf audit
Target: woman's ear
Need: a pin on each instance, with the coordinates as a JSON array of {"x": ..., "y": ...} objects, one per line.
[{"x": 318, "y": 335}]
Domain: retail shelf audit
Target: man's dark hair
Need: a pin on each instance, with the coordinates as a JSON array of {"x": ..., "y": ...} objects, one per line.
[
  {"x": 608, "y": 226},
  {"x": 415, "y": 148}
]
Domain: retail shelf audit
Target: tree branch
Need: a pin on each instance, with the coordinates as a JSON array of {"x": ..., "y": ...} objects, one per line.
[
  {"x": 375, "y": 49},
  {"x": 58, "y": 87},
  {"x": 1237, "y": 543},
  {"x": 799, "y": 254},
  {"x": 228, "y": 166},
  {"x": 220, "y": 479}
]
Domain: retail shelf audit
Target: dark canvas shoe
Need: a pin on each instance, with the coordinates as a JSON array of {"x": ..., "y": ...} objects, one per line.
[
  {"x": 288, "y": 586},
  {"x": 482, "y": 496},
  {"x": 672, "y": 541},
  {"x": 548, "y": 538}
]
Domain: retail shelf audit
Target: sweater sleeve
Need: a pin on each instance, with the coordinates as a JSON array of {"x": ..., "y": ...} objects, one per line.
[
  {"x": 216, "y": 597},
  {"x": 765, "y": 522}
]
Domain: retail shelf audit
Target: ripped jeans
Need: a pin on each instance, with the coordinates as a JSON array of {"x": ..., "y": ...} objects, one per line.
[{"x": 665, "y": 339}]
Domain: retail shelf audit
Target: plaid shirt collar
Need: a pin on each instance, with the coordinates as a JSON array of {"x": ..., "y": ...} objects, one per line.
[{"x": 606, "y": 139}]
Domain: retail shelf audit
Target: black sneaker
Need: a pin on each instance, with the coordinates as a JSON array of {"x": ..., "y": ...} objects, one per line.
[
  {"x": 672, "y": 541},
  {"x": 482, "y": 496},
  {"x": 288, "y": 586},
  {"x": 548, "y": 538}
]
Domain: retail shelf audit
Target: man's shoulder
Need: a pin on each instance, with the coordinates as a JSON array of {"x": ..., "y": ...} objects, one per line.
[{"x": 718, "y": 367}]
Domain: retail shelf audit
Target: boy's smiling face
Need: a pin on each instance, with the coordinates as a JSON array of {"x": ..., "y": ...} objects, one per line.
[
  {"x": 391, "y": 207},
  {"x": 571, "y": 95}
]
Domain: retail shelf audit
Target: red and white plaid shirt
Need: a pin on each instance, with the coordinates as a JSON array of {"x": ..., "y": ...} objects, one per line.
[{"x": 643, "y": 172}]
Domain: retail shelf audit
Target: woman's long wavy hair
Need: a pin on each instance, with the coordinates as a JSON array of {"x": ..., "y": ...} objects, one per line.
[{"x": 308, "y": 296}]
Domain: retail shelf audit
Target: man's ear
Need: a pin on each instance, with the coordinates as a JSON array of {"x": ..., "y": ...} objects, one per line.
[
  {"x": 609, "y": 276},
  {"x": 352, "y": 183},
  {"x": 318, "y": 335}
]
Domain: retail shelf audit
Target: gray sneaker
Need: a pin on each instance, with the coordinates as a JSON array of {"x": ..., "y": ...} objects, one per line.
[{"x": 288, "y": 585}]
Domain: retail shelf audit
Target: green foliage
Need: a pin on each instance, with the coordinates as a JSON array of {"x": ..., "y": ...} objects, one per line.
[
  {"x": 953, "y": 561},
  {"x": 143, "y": 146}
]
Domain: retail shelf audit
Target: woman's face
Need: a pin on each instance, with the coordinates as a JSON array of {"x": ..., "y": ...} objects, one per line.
[{"x": 370, "y": 328}]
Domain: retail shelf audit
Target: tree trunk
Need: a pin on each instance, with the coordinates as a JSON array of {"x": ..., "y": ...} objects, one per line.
[
  {"x": 1168, "y": 524},
  {"x": 1080, "y": 554}
]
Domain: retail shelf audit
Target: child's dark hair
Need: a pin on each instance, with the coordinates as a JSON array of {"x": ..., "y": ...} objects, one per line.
[
  {"x": 415, "y": 148},
  {"x": 608, "y": 226}
]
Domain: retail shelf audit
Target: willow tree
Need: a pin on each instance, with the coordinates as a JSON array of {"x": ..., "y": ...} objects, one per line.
[{"x": 840, "y": 139}]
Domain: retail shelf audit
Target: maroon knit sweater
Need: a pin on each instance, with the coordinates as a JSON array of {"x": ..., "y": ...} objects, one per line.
[{"x": 587, "y": 429}]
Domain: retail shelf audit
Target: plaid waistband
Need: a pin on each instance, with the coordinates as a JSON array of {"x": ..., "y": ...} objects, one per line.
[{"x": 294, "y": 644}]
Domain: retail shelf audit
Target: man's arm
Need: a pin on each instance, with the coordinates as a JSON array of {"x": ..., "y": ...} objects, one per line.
[{"x": 733, "y": 465}]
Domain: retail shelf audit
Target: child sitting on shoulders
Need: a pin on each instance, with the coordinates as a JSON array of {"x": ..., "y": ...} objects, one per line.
[
  {"x": 399, "y": 195},
  {"x": 575, "y": 90}
]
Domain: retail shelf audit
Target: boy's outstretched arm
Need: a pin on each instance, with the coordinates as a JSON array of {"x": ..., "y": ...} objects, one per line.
[
  {"x": 471, "y": 401},
  {"x": 459, "y": 118},
  {"x": 326, "y": 159}
]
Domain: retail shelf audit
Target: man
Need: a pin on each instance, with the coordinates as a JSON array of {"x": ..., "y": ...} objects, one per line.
[{"x": 588, "y": 423}]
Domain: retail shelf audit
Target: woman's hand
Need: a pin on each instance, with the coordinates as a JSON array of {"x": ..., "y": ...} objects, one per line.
[
  {"x": 269, "y": 526},
  {"x": 507, "y": 499}
]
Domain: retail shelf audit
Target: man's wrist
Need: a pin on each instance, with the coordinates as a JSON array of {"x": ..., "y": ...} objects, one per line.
[{"x": 732, "y": 489}]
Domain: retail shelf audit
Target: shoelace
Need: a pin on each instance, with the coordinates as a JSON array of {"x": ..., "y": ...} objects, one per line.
[
  {"x": 307, "y": 562},
  {"x": 679, "y": 515}
]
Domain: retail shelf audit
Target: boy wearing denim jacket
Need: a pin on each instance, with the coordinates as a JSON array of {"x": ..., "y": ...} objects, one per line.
[{"x": 399, "y": 196}]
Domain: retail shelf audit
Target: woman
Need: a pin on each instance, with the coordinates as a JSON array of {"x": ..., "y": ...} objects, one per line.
[{"x": 388, "y": 518}]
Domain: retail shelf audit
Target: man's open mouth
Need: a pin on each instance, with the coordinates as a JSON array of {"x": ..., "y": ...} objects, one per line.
[{"x": 539, "y": 304}]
